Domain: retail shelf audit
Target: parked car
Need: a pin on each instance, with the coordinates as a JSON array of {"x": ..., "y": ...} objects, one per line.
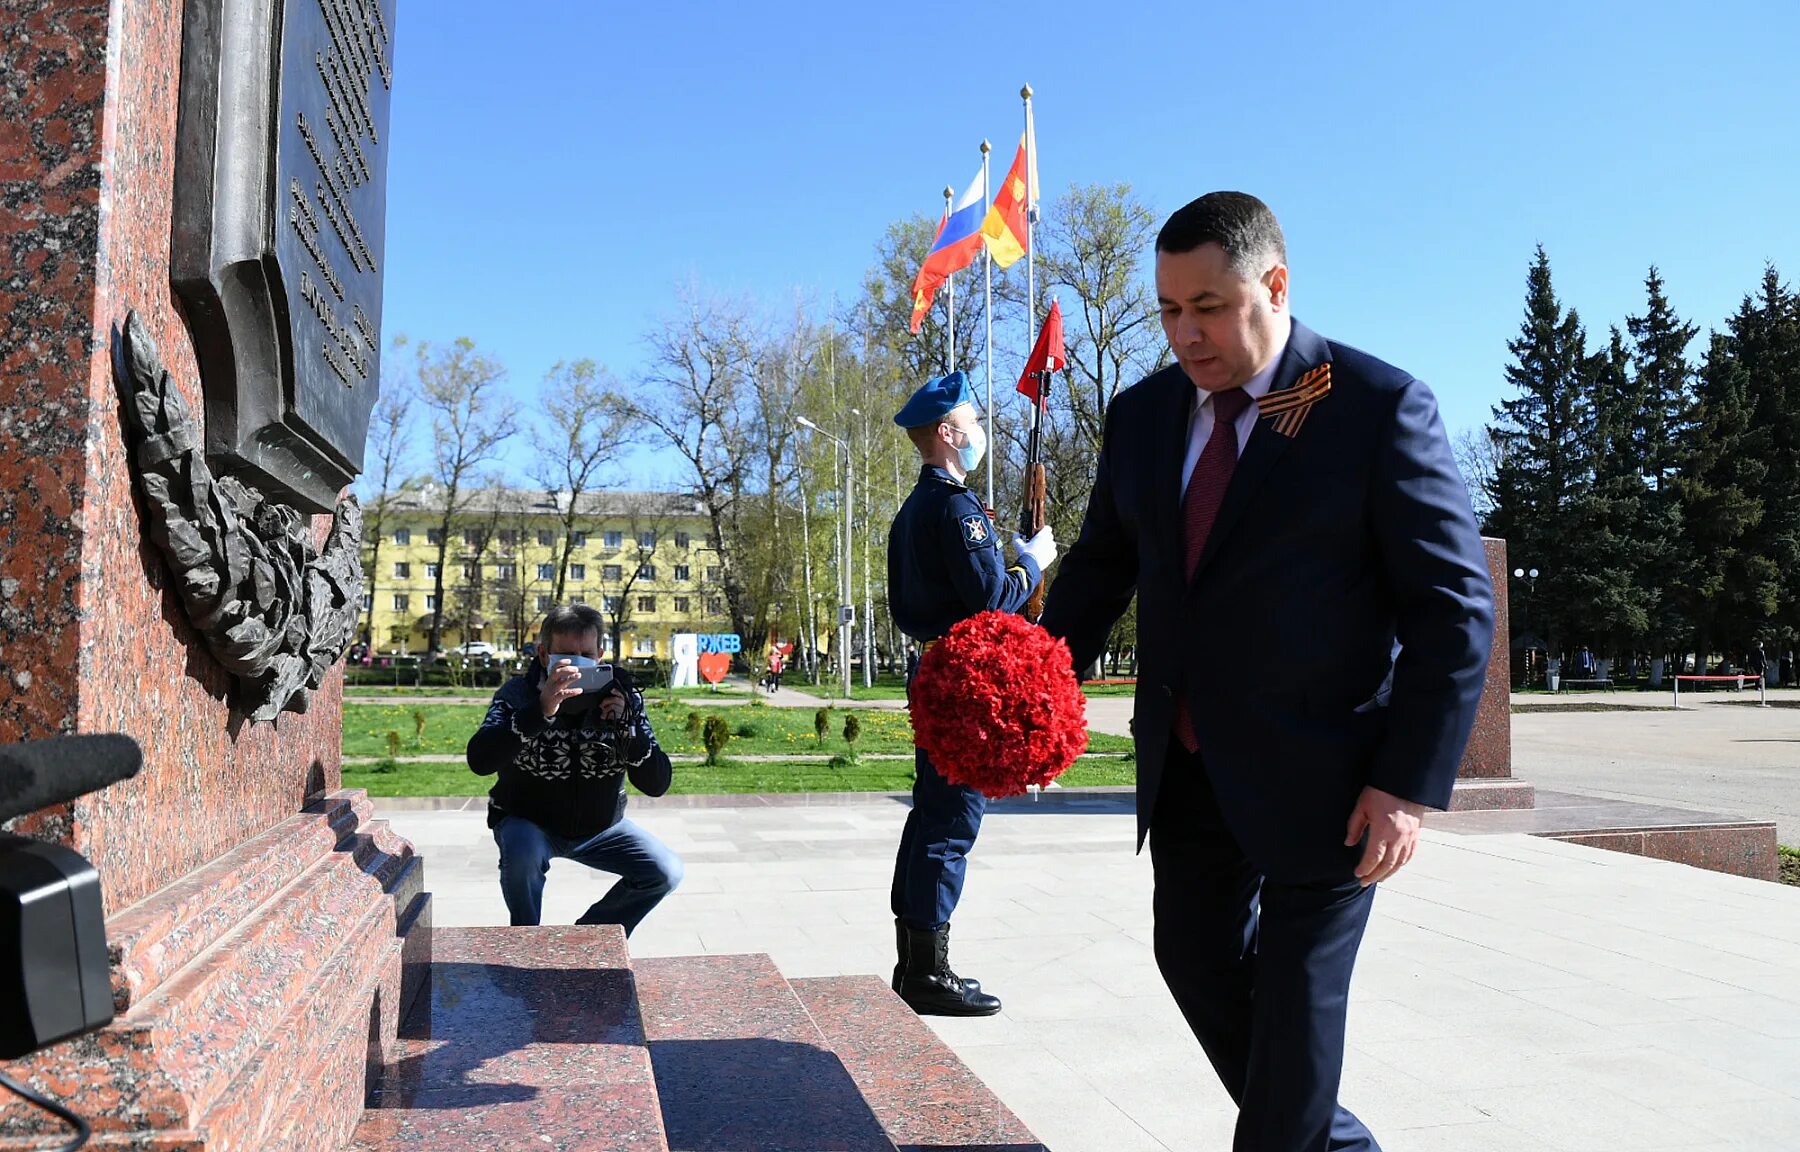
[{"x": 476, "y": 650}]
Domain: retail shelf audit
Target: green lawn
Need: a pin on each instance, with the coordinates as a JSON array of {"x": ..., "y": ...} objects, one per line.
[
  {"x": 765, "y": 731},
  {"x": 698, "y": 779}
]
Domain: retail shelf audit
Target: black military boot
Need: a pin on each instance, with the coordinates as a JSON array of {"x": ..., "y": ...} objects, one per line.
[
  {"x": 928, "y": 985},
  {"x": 968, "y": 982}
]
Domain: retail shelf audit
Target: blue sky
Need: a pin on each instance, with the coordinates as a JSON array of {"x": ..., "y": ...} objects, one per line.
[{"x": 557, "y": 171}]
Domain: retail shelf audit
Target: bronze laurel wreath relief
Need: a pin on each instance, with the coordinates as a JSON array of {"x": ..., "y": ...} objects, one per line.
[{"x": 275, "y": 611}]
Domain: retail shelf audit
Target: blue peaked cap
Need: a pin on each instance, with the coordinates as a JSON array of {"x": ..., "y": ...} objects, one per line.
[{"x": 933, "y": 402}]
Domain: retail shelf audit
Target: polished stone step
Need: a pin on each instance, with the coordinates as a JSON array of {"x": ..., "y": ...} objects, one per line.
[
  {"x": 740, "y": 1064},
  {"x": 925, "y": 1099},
  {"x": 530, "y": 1038}
]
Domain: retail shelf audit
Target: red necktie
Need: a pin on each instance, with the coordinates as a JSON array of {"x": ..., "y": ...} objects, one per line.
[{"x": 1200, "y": 507}]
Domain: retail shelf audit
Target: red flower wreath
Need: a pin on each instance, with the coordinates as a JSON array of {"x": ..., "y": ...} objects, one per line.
[{"x": 996, "y": 707}]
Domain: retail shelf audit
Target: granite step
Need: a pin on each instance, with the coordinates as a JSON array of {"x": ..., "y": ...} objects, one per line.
[
  {"x": 530, "y": 1038},
  {"x": 741, "y": 1066},
  {"x": 925, "y": 1099}
]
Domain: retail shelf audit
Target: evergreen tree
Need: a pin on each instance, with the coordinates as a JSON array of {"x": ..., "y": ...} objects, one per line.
[
  {"x": 1664, "y": 429},
  {"x": 1730, "y": 589},
  {"x": 1544, "y": 441},
  {"x": 1611, "y": 609},
  {"x": 1766, "y": 339}
]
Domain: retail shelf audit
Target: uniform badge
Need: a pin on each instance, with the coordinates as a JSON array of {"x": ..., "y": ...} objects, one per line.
[
  {"x": 1290, "y": 406},
  {"x": 975, "y": 530}
]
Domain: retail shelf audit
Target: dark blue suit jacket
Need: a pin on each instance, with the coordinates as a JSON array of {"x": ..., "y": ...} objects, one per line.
[{"x": 1337, "y": 630}]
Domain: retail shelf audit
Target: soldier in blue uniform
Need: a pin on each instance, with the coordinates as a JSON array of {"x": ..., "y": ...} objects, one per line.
[{"x": 945, "y": 565}]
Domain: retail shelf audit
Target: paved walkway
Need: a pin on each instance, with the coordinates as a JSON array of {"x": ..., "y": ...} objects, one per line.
[{"x": 1514, "y": 993}]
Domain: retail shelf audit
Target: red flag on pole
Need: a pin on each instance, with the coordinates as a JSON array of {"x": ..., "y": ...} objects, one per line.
[{"x": 1047, "y": 356}]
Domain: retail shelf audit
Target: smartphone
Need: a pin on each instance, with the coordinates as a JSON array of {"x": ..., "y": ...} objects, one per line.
[{"x": 596, "y": 678}]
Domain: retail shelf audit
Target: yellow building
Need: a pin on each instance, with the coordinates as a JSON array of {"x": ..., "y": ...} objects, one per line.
[{"x": 643, "y": 558}]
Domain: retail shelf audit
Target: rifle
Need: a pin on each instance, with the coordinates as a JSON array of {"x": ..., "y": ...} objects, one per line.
[{"x": 1031, "y": 516}]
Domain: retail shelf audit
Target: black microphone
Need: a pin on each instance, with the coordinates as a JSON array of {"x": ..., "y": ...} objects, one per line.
[{"x": 40, "y": 773}]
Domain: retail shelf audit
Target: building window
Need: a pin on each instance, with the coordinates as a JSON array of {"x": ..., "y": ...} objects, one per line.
[
  {"x": 430, "y": 602},
  {"x": 683, "y": 572},
  {"x": 646, "y": 539},
  {"x": 470, "y": 537},
  {"x": 544, "y": 538},
  {"x": 714, "y": 573},
  {"x": 609, "y": 603},
  {"x": 543, "y": 602},
  {"x": 433, "y": 536},
  {"x": 681, "y": 606},
  {"x": 615, "y": 539},
  {"x": 509, "y": 537},
  {"x": 403, "y": 536},
  {"x": 431, "y": 571},
  {"x": 507, "y": 572},
  {"x": 646, "y": 604},
  {"x": 468, "y": 573},
  {"x": 611, "y": 573},
  {"x": 368, "y": 601},
  {"x": 578, "y": 599},
  {"x": 646, "y": 646},
  {"x": 546, "y": 571},
  {"x": 581, "y": 539},
  {"x": 400, "y": 601},
  {"x": 402, "y": 570},
  {"x": 682, "y": 539},
  {"x": 646, "y": 571},
  {"x": 715, "y": 606},
  {"x": 578, "y": 571}
]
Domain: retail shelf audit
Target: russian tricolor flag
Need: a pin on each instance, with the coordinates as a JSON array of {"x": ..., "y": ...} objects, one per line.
[{"x": 958, "y": 243}]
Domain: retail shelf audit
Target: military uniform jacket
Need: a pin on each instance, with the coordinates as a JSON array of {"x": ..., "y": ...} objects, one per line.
[{"x": 944, "y": 561}]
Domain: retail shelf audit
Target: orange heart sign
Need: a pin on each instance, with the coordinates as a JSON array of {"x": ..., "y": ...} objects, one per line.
[{"x": 714, "y": 665}]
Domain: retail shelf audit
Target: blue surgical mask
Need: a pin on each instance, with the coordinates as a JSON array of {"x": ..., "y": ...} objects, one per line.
[{"x": 974, "y": 447}]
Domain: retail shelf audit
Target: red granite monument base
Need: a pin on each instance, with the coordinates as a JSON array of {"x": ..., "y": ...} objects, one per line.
[{"x": 266, "y": 933}]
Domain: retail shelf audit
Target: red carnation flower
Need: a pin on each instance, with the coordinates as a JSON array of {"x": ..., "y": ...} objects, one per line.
[{"x": 996, "y": 706}]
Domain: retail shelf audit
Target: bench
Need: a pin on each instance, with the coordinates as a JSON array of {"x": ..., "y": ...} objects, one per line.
[{"x": 1593, "y": 682}]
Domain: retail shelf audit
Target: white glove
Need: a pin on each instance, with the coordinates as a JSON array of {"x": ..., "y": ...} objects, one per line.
[{"x": 1041, "y": 547}]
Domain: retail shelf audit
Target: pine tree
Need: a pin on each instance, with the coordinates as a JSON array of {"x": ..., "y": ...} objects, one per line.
[
  {"x": 1611, "y": 608},
  {"x": 1544, "y": 438},
  {"x": 1664, "y": 384},
  {"x": 1730, "y": 589},
  {"x": 1766, "y": 339}
]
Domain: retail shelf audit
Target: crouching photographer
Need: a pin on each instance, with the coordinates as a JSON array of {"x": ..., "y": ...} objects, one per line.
[{"x": 564, "y": 738}]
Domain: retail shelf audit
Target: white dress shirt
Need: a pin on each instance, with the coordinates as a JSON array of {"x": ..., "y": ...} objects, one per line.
[{"x": 1200, "y": 420}]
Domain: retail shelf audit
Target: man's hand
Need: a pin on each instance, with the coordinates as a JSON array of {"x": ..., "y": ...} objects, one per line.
[
  {"x": 559, "y": 685},
  {"x": 1392, "y": 825}
]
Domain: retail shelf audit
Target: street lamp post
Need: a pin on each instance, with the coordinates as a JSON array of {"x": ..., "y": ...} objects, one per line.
[
  {"x": 846, "y": 613},
  {"x": 1530, "y": 575}
]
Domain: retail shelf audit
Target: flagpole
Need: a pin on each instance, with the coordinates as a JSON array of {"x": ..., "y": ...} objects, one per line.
[
  {"x": 950, "y": 328},
  {"x": 1030, "y": 248},
  {"x": 987, "y": 203}
]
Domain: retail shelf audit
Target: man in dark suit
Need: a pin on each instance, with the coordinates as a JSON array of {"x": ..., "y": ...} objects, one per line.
[{"x": 1314, "y": 617}]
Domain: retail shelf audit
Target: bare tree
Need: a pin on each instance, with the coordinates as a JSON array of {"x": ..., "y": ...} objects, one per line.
[
  {"x": 471, "y": 419},
  {"x": 1478, "y": 453},
  {"x": 588, "y": 427},
  {"x": 390, "y": 428},
  {"x": 1095, "y": 245},
  {"x": 695, "y": 399},
  {"x": 648, "y": 518}
]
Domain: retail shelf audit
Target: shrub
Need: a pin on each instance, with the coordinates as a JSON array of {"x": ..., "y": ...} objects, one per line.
[
  {"x": 821, "y": 724},
  {"x": 715, "y": 735},
  {"x": 852, "y": 732},
  {"x": 385, "y": 765},
  {"x": 418, "y": 727},
  {"x": 693, "y": 724},
  {"x": 745, "y": 730},
  {"x": 393, "y": 744}
]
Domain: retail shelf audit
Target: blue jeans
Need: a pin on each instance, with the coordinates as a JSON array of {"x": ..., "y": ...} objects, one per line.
[
  {"x": 647, "y": 870},
  {"x": 934, "y": 846}
]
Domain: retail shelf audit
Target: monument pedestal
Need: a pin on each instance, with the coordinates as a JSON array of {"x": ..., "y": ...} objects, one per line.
[
  {"x": 1484, "y": 779},
  {"x": 266, "y": 934}
]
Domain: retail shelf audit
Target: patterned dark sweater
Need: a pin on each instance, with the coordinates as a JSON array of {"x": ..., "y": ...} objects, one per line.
[{"x": 566, "y": 774}]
